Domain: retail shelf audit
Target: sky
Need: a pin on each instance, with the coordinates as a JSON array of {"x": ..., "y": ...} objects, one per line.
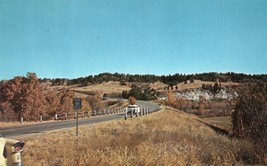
[{"x": 70, "y": 39}]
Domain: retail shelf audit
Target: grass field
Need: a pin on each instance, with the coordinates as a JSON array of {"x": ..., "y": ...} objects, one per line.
[
  {"x": 167, "y": 137},
  {"x": 198, "y": 84},
  {"x": 224, "y": 122},
  {"x": 106, "y": 87}
]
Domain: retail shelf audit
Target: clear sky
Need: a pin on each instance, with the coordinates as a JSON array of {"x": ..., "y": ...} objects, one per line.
[{"x": 75, "y": 38}]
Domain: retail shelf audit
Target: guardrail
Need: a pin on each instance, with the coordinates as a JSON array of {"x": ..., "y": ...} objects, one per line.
[
  {"x": 143, "y": 112},
  {"x": 86, "y": 114},
  {"x": 81, "y": 114}
]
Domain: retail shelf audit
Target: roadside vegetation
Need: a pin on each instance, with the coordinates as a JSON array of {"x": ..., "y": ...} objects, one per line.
[
  {"x": 28, "y": 98},
  {"x": 250, "y": 117},
  {"x": 243, "y": 117},
  {"x": 167, "y": 137}
]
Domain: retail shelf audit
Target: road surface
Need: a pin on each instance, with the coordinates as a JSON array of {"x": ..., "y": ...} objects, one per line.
[{"x": 48, "y": 126}]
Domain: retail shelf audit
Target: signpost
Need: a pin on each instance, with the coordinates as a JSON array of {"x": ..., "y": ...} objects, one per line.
[{"x": 77, "y": 105}]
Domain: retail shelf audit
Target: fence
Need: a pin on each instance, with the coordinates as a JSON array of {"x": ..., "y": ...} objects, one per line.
[
  {"x": 142, "y": 112},
  {"x": 86, "y": 114},
  {"x": 81, "y": 114}
]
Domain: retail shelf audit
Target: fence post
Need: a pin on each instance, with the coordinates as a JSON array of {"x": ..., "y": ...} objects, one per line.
[
  {"x": 56, "y": 116},
  {"x": 125, "y": 115},
  {"x": 21, "y": 120},
  {"x": 41, "y": 118},
  {"x": 75, "y": 115},
  {"x": 66, "y": 116}
]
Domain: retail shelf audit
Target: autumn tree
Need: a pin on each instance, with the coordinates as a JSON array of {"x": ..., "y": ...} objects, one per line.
[
  {"x": 250, "y": 116},
  {"x": 33, "y": 102},
  {"x": 171, "y": 98},
  {"x": 66, "y": 101},
  {"x": 53, "y": 102},
  {"x": 201, "y": 104},
  {"x": 9, "y": 95},
  {"x": 132, "y": 100},
  {"x": 95, "y": 102},
  {"x": 26, "y": 97},
  {"x": 22, "y": 97}
]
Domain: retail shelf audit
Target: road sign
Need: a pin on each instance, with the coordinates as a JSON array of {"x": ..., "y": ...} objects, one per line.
[{"x": 77, "y": 103}]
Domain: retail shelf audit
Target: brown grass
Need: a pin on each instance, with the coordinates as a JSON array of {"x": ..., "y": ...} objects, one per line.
[
  {"x": 106, "y": 87},
  {"x": 198, "y": 84},
  {"x": 158, "y": 85},
  {"x": 167, "y": 137},
  {"x": 224, "y": 121}
]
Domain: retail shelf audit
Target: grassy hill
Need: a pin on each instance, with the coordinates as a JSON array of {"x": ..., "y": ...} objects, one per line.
[
  {"x": 167, "y": 137},
  {"x": 106, "y": 87},
  {"x": 199, "y": 83}
]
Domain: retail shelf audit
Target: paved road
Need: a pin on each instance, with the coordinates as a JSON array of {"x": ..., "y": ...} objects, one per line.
[{"x": 48, "y": 126}]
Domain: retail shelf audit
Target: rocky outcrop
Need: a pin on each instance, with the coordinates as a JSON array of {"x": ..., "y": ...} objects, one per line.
[{"x": 195, "y": 93}]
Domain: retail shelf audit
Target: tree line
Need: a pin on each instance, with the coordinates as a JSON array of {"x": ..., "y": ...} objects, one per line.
[
  {"x": 139, "y": 93},
  {"x": 29, "y": 98},
  {"x": 26, "y": 97},
  {"x": 167, "y": 79}
]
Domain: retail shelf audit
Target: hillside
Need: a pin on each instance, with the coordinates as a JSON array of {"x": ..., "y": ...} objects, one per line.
[
  {"x": 199, "y": 83},
  {"x": 106, "y": 87},
  {"x": 167, "y": 137}
]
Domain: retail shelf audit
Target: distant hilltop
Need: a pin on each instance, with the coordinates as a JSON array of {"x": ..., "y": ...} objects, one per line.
[{"x": 170, "y": 80}]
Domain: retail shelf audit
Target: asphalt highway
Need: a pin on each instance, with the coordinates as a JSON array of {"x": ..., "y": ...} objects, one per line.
[{"x": 48, "y": 126}]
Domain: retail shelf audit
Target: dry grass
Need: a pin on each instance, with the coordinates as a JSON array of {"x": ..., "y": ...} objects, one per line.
[
  {"x": 224, "y": 121},
  {"x": 198, "y": 84},
  {"x": 106, "y": 87},
  {"x": 11, "y": 124},
  {"x": 167, "y": 137},
  {"x": 158, "y": 85}
]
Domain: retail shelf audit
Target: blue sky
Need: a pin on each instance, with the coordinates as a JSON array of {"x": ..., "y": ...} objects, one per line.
[{"x": 66, "y": 38}]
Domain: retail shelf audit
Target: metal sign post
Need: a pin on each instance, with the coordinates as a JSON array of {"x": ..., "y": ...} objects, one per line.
[{"x": 77, "y": 104}]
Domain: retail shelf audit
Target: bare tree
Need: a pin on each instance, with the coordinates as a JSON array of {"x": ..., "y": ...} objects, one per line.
[{"x": 250, "y": 116}]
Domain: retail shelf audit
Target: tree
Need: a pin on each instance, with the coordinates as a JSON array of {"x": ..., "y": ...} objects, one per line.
[
  {"x": 171, "y": 98},
  {"x": 135, "y": 92},
  {"x": 132, "y": 100},
  {"x": 22, "y": 97},
  {"x": 125, "y": 94},
  {"x": 216, "y": 87},
  {"x": 95, "y": 102},
  {"x": 201, "y": 104},
  {"x": 32, "y": 102},
  {"x": 250, "y": 116},
  {"x": 66, "y": 101}
]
